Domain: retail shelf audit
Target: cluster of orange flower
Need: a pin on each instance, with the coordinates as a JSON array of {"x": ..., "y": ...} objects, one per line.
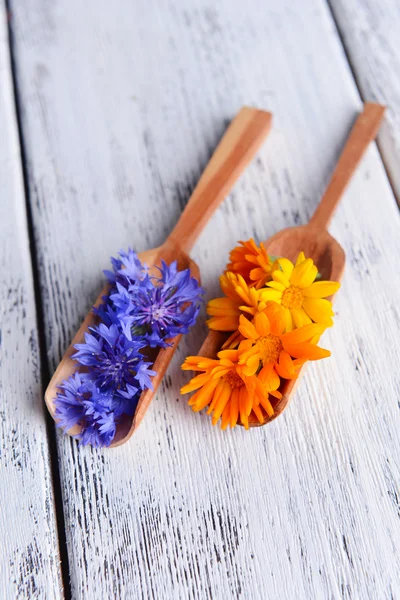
[{"x": 276, "y": 312}]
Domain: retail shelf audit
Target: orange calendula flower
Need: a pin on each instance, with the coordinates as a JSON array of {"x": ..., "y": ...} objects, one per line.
[
  {"x": 251, "y": 262},
  {"x": 302, "y": 298},
  {"x": 230, "y": 389},
  {"x": 280, "y": 354},
  {"x": 239, "y": 298}
]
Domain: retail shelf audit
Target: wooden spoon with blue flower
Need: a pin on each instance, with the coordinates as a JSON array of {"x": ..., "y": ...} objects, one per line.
[{"x": 238, "y": 146}]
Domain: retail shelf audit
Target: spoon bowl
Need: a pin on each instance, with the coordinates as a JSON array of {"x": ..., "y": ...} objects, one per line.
[
  {"x": 329, "y": 257},
  {"x": 319, "y": 245},
  {"x": 314, "y": 240},
  {"x": 161, "y": 357},
  {"x": 238, "y": 146}
]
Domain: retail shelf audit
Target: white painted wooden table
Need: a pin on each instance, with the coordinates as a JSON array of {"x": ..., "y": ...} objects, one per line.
[{"x": 108, "y": 113}]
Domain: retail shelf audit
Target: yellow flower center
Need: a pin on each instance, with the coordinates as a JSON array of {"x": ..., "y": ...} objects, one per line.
[
  {"x": 292, "y": 297},
  {"x": 269, "y": 348},
  {"x": 233, "y": 379}
]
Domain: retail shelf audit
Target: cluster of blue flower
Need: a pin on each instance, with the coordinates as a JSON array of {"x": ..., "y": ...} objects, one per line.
[{"x": 140, "y": 311}]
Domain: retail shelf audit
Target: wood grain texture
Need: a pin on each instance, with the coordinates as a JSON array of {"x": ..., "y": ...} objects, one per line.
[
  {"x": 122, "y": 106},
  {"x": 370, "y": 32},
  {"x": 235, "y": 151},
  {"x": 361, "y": 135},
  {"x": 29, "y": 563}
]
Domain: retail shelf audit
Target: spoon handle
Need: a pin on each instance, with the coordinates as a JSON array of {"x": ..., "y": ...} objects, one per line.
[
  {"x": 363, "y": 132},
  {"x": 238, "y": 146}
]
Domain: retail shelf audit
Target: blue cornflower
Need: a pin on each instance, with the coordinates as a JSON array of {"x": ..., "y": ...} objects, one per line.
[
  {"x": 114, "y": 361},
  {"x": 127, "y": 269},
  {"x": 107, "y": 312},
  {"x": 121, "y": 298},
  {"x": 125, "y": 401},
  {"x": 139, "y": 311},
  {"x": 70, "y": 409},
  {"x": 100, "y": 415},
  {"x": 79, "y": 402},
  {"x": 159, "y": 308}
]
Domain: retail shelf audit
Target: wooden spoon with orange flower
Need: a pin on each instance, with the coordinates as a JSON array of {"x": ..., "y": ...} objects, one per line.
[{"x": 328, "y": 257}]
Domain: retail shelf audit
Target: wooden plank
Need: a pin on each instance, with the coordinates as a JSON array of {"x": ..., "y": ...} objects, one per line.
[
  {"x": 30, "y": 563},
  {"x": 122, "y": 105},
  {"x": 370, "y": 32}
]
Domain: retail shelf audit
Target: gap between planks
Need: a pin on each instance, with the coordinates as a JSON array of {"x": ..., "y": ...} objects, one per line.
[
  {"x": 356, "y": 79},
  {"x": 44, "y": 368}
]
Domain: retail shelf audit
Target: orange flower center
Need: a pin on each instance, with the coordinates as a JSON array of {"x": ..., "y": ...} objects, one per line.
[
  {"x": 292, "y": 297},
  {"x": 233, "y": 379},
  {"x": 269, "y": 348}
]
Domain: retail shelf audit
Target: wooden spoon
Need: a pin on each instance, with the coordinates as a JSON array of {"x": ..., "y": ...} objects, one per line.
[
  {"x": 313, "y": 239},
  {"x": 238, "y": 146}
]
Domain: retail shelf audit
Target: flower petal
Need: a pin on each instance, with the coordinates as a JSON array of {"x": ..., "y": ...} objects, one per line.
[
  {"x": 276, "y": 285},
  {"x": 234, "y": 407},
  {"x": 224, "y": 362},
  {"x": 285, "y": 367},
  {"x": 221, "y": 403},
  {"x": 225, "y": 417},
  {"x": 259, "y": 414},
  {"x": 303, "y": 334},
  {"x": 280, "y": 277},
  {"x": 321, "y": 289},
  {"x": 219, "y": 372},
  {"x": 195, "y": 383},
  {"x": 252, "y": 365},
  {"x": 276, "y": 317},
  {"x": 266, "y": 404},
  {"x": 299, "y": 317},
  {"x": 248, "y": 402},
  {"x": 261, "y": 323},
  {"x": 319, "y": 310},
  {"x": 198, "y": 363},
  {"x": 287, "y": 267},
  {"x": 269, "y": 377},
  {"x": 288, "y": 320},
  {"x": 222, "y": 306},
  {"x": 247, "y": 329},
  {"x": 204, "y": 395},
  {"x": 258, "y": 273},
  {"x": 267, "y": 294},
  {"x": 308, "y": 351},
  {"x": 218, "y": 391},
  {"x": 232, "y": 341},
  {"x": 251, "y": 310},
  {"x": 243, "y": 406},
  {"x": 304, "y": 274},
  {"x": 223, "y": 323},
  {"x": 231, "y": 355},
  {"x": 244, "y": 345}
]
